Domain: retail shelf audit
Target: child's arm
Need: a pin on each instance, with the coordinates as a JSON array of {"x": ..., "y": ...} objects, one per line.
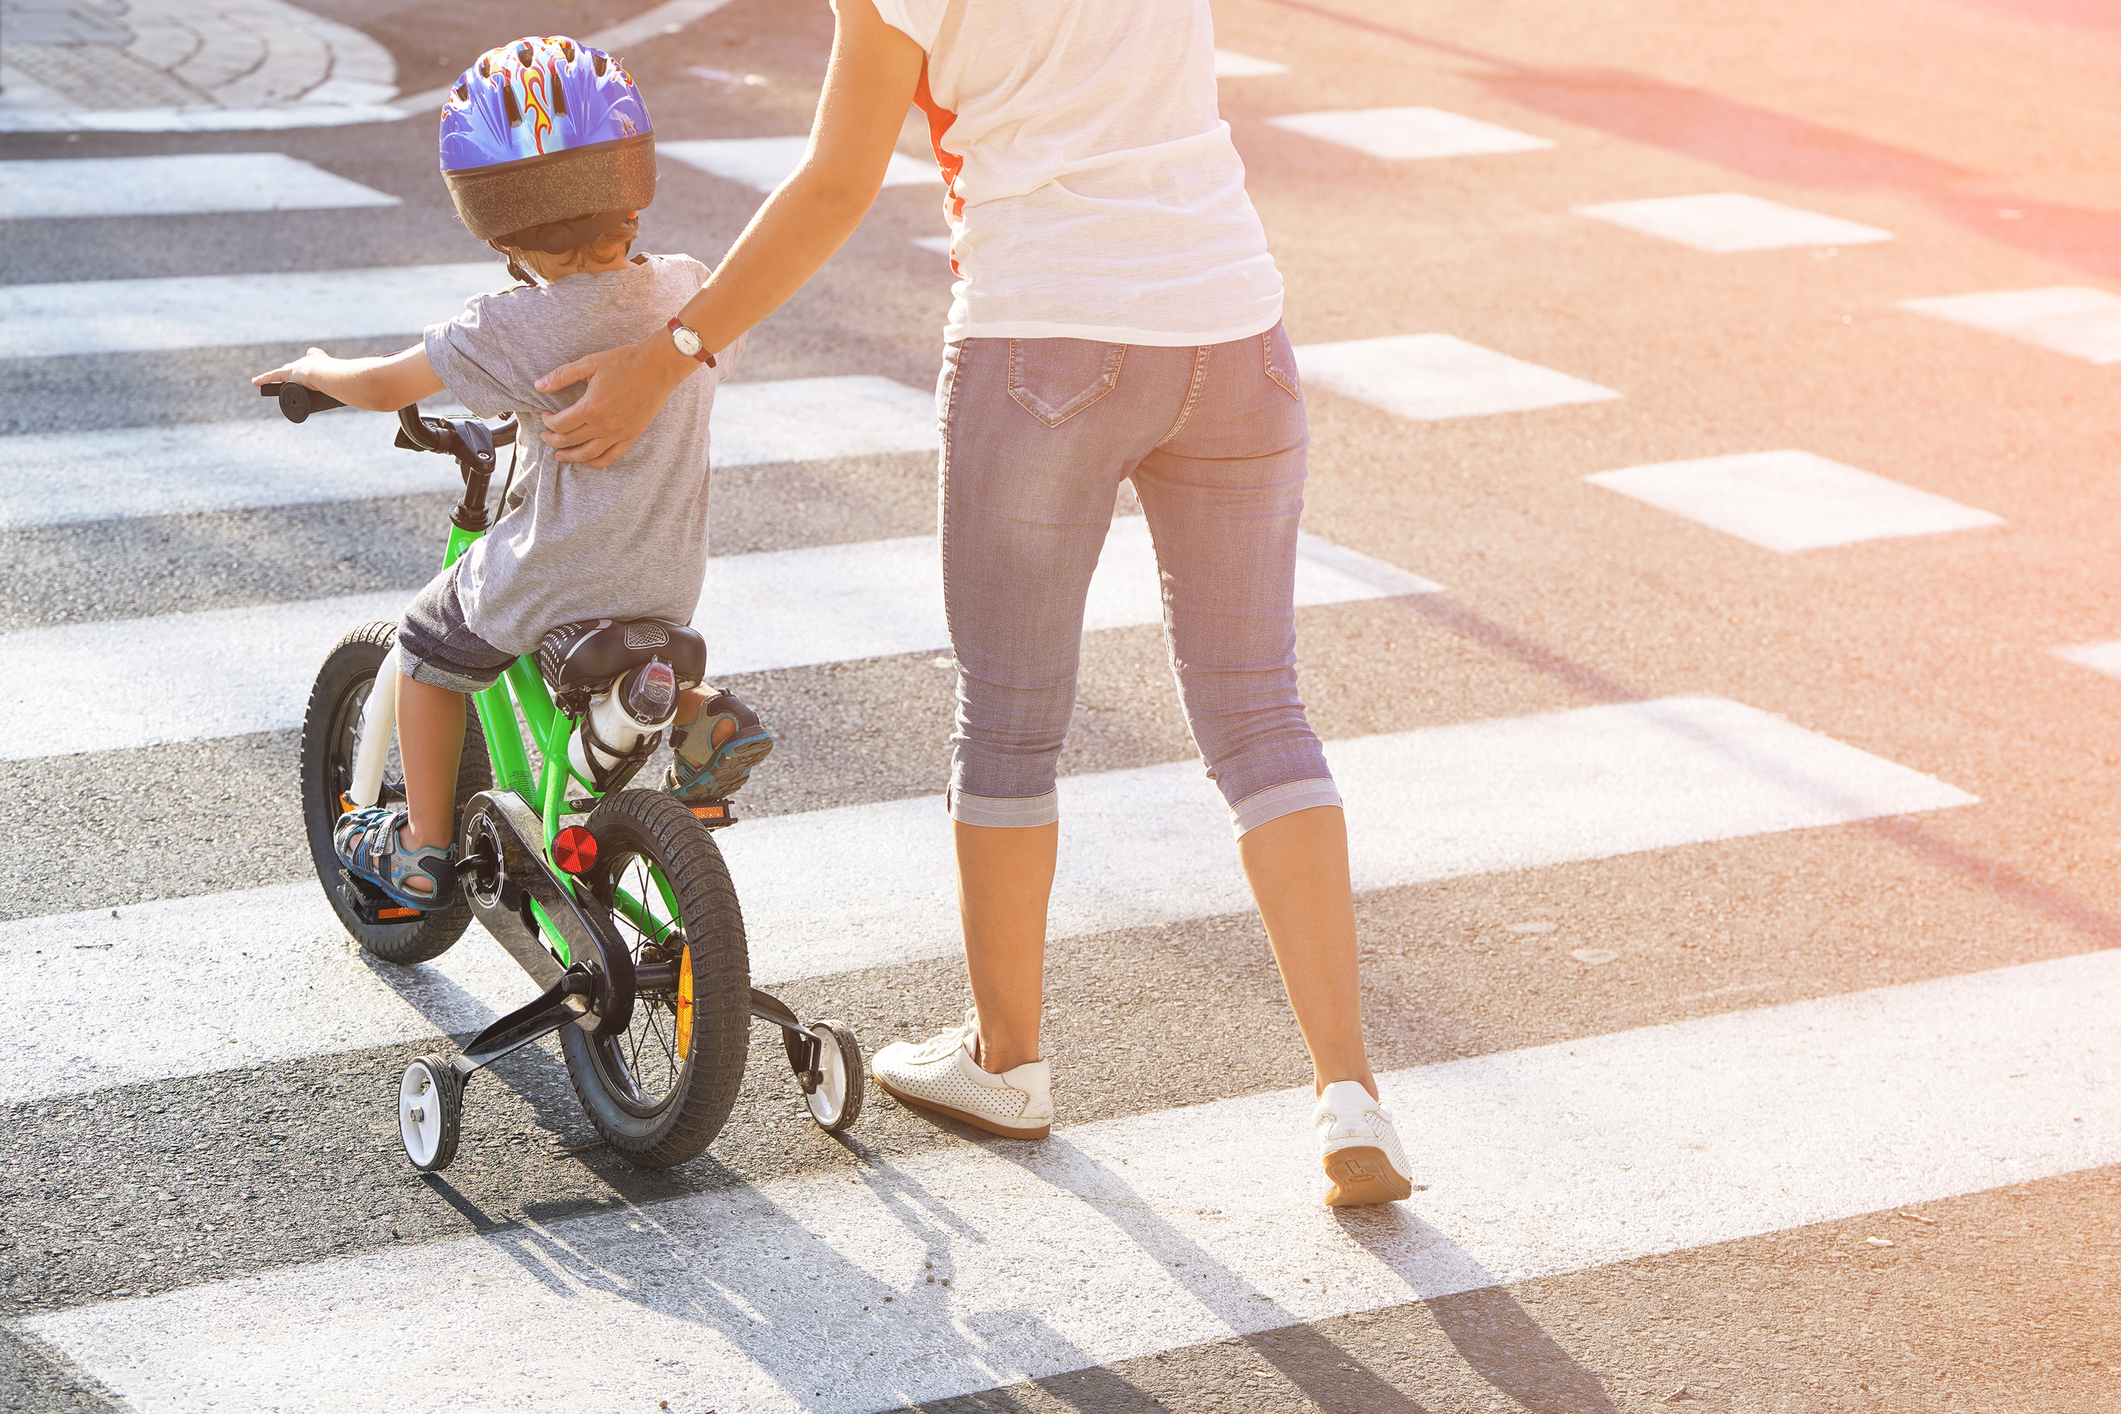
[{"x": 378, "y": 384}]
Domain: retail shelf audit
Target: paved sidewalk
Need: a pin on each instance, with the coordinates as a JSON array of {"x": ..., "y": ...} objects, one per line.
[
  {"x": 164, "y": 65},
  {"x": 219, "y": 65}
]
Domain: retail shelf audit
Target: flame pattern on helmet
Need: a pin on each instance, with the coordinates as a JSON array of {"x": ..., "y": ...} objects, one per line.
[{"x": 535, "y": 97}]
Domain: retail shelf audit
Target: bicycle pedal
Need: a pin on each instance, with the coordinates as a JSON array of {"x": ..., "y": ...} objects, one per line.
[
  {"x": 714, "y": 814},
  {"x": 371, "y": 905}
]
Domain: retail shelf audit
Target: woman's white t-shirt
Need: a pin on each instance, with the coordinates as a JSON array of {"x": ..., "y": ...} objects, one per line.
[{"x": 1092, "y": 190}]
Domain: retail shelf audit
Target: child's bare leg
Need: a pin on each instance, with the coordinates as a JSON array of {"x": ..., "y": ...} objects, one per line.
[{"x": 431, "y": 741}]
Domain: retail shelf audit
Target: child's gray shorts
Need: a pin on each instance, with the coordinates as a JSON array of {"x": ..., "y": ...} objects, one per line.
[{"x": 436, "y": 646}]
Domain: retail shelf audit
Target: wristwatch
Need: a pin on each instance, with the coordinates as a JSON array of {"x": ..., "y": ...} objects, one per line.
[{"x": 688, "y": 343}]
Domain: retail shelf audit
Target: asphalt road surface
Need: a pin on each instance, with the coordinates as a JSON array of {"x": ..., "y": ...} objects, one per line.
[{"x": 1709, "y": 607}]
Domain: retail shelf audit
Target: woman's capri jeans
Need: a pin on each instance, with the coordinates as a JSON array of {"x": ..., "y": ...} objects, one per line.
[{"x": 1037, "y": 436}]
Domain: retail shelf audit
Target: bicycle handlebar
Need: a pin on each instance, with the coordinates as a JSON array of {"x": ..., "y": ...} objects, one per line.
[
  {"x": 296, "y": 401},
  {"x": 425, "y": 434}
]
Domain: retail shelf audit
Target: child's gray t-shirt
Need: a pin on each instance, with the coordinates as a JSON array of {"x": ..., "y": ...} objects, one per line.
[{"x": 626, "y": 541}]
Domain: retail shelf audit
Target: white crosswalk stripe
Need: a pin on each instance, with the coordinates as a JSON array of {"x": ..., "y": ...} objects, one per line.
[
  {"x": 2099, "y": 657},
  {"x": 1229, "y": 64},
  {"x": 71, "y": 477},
  {"x": 1791, "y": 501},
  {"x": 177, "y": 185},
  {"x": 763, "y": 163},
  {"x": 1725, "y": 222},
  {"x": 200, "y": 311},
  {"x": 227, "y": 672},
  {"x": 1105, "y": 1242},
  {"x": 844, "y": 889},
  {"x": 1404, "y": 134},
  {"x": 1431, "y": 377},
  {"x": 2072, "y": 319}
]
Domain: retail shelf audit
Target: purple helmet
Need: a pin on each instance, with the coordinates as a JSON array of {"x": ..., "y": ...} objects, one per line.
[{"x": 546, "y": 145}]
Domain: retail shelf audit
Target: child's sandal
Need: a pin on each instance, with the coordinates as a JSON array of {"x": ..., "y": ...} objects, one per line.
[
  {"x": 368, "y": 843},
  {"x": 729, "y": 765}
]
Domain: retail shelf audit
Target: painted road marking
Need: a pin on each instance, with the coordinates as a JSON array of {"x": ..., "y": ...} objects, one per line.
[
  {"x": 180, "y": 185},
  {"x": 125, "y": 473},
  {"x": 874, "y": 882},
  {"x": 2099, "y": 657},
  {"x": 816, "y": 419},
  {"x": 836, "y": 891},
  {"x": 1401, "y": 134},
  {"x": 1430, "y": 377},
  {"x": 202, "y": 311},
  {"x": 1103, "y": 1244},
  {"x": 1790, "y": 501},
  {"x": 229, "y": 672},
  {"x": 763, "y": 163},
  {"x": 2072, "y": 319},
  {"x": 1732, "y": 221},
  {"x": 309, "y": 990},
  {"x": 1229, "y": 64}
]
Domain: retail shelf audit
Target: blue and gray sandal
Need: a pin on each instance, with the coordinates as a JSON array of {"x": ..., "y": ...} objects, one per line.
[
  {"x": 368, "y": 844},
  {"x": 701, "y": 771}
]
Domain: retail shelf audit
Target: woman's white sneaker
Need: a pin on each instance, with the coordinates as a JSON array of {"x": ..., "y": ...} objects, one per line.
[
  {"x": 1360, "y": 1148},
  {"x": 939, "y": 1074}
]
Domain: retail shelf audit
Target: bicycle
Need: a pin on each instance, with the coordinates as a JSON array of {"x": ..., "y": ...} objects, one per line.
[{"x": 615, "y": 902}]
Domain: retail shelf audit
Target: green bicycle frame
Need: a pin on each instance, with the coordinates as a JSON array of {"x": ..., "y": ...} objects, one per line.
[{"x": 521, "y": 687}]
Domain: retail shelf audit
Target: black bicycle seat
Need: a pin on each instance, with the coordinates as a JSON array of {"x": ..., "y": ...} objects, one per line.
[{"x": 588, "y": 655}]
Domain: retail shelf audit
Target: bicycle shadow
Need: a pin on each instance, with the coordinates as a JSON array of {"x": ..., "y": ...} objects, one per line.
[{"x": 779, "y": 1309}]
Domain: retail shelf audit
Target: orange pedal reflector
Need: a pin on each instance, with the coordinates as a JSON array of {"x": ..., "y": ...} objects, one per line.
[
  {"x": 397, "y": 913},
  {"x": 710, "y": 812},
  {"x": 574, "y": 849}
]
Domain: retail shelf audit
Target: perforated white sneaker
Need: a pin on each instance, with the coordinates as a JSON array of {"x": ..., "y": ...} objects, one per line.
[
  {"x": 939, "y": 1074},
  {"x": 1360, "y": 1148}
]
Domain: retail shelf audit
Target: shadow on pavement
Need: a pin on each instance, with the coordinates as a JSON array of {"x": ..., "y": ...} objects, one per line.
[{"x": 1789, "y": 151}]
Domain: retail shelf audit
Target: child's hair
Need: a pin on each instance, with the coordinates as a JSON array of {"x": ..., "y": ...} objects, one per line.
[{"x": 614, "y": 243}]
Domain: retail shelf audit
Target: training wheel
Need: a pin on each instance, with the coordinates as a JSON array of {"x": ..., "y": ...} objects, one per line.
[
  {"x": 430, "y": 1112},
  {"x": 836, "y": 1101}
]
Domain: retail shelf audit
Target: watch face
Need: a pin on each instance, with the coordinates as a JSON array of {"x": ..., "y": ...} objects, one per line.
[{"x": 688, "y": 342}]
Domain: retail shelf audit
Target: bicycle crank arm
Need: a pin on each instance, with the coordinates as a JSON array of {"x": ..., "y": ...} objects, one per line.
[{"x": 503, "y": 868}]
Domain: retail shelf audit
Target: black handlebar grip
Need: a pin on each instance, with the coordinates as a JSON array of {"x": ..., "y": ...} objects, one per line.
[{"x": 296, "y": 401}]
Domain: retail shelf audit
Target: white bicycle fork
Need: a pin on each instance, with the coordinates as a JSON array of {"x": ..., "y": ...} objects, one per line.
[{"x": 379, "y": 723}]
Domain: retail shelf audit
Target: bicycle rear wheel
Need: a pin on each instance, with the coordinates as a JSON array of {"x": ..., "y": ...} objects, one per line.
[
  {"x": 660, "y": 1091},
  {"x": 329, "y": 730}
]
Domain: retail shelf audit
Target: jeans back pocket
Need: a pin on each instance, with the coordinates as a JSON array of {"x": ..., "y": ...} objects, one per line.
[{"x": 1054, "y": 379}]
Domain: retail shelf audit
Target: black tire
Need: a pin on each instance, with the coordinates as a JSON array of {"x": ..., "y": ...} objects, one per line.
[
  {"x": 430, "y": 1113},
  {"x": 328, "y": 727},
  {"x": 660, "y": 1091},
  {"x": 837, "y": 1102}
]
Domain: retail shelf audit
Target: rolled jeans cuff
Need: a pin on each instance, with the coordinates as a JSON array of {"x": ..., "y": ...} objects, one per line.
[
  {"x": 1021, "y": 812},
  {"x": 1274, "y": 802}
]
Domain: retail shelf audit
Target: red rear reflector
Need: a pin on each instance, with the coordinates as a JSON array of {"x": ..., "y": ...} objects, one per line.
[{"x": 574, "y": 849}]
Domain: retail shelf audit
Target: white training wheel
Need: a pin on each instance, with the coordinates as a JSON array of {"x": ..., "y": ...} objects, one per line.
[
  {"x": 430, "y": 1112},
  {"x": 837, "y": 1100}
]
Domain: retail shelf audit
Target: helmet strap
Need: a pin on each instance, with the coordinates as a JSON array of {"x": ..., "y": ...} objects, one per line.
[{"x": 515, "y": 268}]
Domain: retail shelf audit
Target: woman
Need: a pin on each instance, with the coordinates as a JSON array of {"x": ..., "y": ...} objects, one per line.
[{"x": 1117, "y": 315}]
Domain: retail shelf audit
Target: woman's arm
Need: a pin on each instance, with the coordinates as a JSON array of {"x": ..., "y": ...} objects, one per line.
[
  {"x": 868, "y": 87},
  {"x": 378, "y": 384}
]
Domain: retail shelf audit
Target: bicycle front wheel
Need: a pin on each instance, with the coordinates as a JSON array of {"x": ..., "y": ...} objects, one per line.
[
  {"x": 330, "y": 730},
  {"x": 660, "y": 1091}
]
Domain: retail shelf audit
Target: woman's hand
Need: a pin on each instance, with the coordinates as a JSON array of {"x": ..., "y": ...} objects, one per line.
[{"x": 628, "y": 386}]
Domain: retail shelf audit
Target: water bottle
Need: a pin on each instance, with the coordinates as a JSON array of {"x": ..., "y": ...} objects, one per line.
[{"x": 638, "y": 705}]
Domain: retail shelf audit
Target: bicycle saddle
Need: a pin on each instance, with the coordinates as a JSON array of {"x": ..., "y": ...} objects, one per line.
[{"x": 586, "y": 656}]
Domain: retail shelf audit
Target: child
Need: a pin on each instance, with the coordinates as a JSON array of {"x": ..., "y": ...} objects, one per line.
[{"x": 534, "y": 135}]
